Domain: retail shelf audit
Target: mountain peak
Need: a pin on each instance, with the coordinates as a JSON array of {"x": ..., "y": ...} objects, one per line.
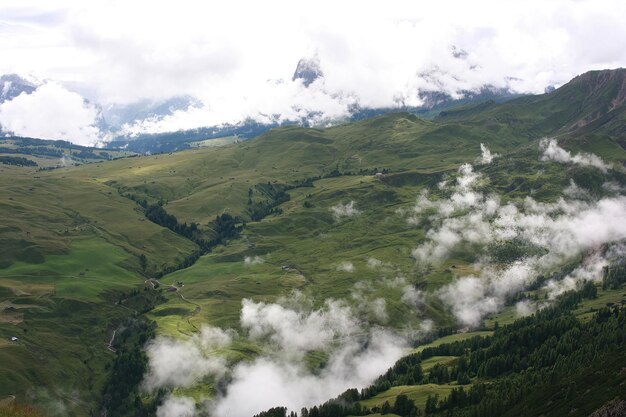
[
  {"x": 600, "y": 95},
  {"x": 308, "y": 70},
  {"x": 12, "y": 85}
]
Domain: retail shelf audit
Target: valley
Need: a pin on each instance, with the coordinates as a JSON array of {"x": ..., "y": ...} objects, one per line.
[{"x": 296, "y": 258}]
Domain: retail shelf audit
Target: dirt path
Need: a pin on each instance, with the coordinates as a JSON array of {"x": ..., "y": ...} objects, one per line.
[
  {"x": 197, "y": 310},
  {"x": 7, "y": 401},
  {"x": 110, "y": 344}
]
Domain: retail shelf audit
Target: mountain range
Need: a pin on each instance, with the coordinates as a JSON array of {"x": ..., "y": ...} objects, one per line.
[{"x": 113, "y": 117}]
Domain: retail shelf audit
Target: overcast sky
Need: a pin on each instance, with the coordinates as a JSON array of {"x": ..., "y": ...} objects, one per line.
[{"x": 237, "y": 57}]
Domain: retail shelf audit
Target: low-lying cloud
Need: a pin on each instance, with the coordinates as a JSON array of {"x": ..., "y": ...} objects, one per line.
[
  {"x": 182, "y": 364},
  {"x": 310, "y": 354},
  {"x": 486, "y": 156},
  {"x": 553, "y": 152},
  {"x": 557, "y": 232},
  {"x": 52, "y": 112},
  {"x": 344, "y": 210},
  {"x": 346, "y": 267},
  {"x": 356, "y": 352},
  {"x": 253, "y": 260}
]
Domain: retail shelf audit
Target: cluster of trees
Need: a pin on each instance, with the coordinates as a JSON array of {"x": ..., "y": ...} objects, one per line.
[
  {"x": 614, "y": 276},
  {"x": 157, "y": 214},
  {"x": 38, "y": 150},
  {"x": 275, "y": 195},
  {"x": 89, "y": 154},
  {"x": 141, "y": 301},
  {"x": 508, "y": 251},
  {"x": 121, "y": 395},
  {"x": 363, "y": 171},
  {"x": 17, "y": 160},
  {"x": 225, "y": 226},
  {"x": 555, "y": 359}
]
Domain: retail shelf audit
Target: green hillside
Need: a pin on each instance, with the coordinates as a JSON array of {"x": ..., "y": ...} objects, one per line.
[{"x": 167, "y": 243}]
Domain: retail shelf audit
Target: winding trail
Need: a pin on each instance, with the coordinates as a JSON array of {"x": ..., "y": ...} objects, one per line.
[
  {"x": 197, "y": 310},
  {"x": 7, "y": 401},
  {"x": 110, "y": 344}
]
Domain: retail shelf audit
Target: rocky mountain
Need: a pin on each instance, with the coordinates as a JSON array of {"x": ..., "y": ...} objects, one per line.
[
  {"x": 12, "y": 85},
  {"x": 308, "y": 70}
]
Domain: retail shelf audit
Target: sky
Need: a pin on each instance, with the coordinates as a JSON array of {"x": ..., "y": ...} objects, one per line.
[{"x": 237, "y": 58}]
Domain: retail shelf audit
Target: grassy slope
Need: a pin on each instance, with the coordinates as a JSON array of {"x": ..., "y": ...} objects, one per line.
[
  {"x": 71, "y": 240},
  {"x": 68, "y": 245}
]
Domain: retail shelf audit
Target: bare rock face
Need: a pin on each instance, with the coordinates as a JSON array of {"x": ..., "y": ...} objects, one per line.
[
  {"x": 12, "y": 85},
  {"x": 614, "y": 408},
  {"x": 308, "y": 70}
]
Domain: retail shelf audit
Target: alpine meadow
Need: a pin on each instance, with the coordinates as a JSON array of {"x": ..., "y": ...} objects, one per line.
[{"x": 220, "y": 241}]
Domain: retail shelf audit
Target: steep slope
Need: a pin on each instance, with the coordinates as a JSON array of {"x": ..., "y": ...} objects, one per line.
[{"x": 593, "y": 103}]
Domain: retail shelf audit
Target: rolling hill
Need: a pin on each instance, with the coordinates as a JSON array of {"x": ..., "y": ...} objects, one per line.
[{"x": 101, "y": 257}]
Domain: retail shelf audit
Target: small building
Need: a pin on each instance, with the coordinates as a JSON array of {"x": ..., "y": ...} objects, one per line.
[{"x": 14, "y": 339}]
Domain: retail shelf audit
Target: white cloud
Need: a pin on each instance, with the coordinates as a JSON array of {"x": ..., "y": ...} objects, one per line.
[
  {"x": 553, "y": 152},
  {"x": 266, "y": 383},
  {"x": 524, "y": 308},
  {"x": 562, "y": 231},
  {"x": 253, "y": 260},
  {"x": 374, "y": 263},
  {"x": 297, "y": 331},
  {"x": 344, "y": 210},
  {"x": 356, "y": 353},
  {"x": 175, "y": 363},
  {"x": 240, "y": 64},
  {"x": 51, "y": 112},
  {"x": 413, "y": 297},
  {"x": 486, "y": 156},
  {"x": 346, "y": 267},
  {"x": 177, "y": 407}
]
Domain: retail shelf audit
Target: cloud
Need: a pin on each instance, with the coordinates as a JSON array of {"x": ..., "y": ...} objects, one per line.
[
  {"x": 553, "y": 152},
  {"x": 175, "y": 363},
  {"x": 413, "y": 297},
  {"x": 356, "y": 353},
  {"x": 379, "y": 309},
  {"x": 344, "y": 210},
  {"x": 564, "y": 233},
  {"x": 486, "y": 156},
  {"x": 592, "y": 269},
  {"x": 266, "y": 383},
  {"x": 253, "y": 260},
  {"x": 240, "y": 65},
  {"x": 297, "y": 332},
  {"x": 524, "y": 308},
  {"x": 560, "y": 232},
  {"x": 51, "y": 112},
  {"x": 374, "y": 263},
  {"x": 345, "y": 267},
  {"x": 174, "y": 406}
]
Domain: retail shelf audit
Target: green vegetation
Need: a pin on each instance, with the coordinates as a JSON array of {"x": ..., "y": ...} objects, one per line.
[
  {"x": 51, "y": 153},
  {"x": 163, "y": 244},
  {"x": 550, "y": 355},
  {"x": 17, "y": 160}
]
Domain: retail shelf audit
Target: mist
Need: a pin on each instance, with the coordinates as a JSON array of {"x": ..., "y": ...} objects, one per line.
[
  {"x": 310, "y": 352},
  {"x": 355, "y": 352},
  {"x": 559, "y": 232}
]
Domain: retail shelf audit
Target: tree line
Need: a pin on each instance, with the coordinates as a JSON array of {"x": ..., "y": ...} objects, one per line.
[
  {"x": 517, "y": 358},
  {"x": 222, "y": 228},
  {"x": 17, "y": 161}
]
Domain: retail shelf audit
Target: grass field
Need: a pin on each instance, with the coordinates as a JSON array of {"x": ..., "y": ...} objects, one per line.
[
  {"x": 72, "y": 242},
  {"x": 418, "y": 393}
]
